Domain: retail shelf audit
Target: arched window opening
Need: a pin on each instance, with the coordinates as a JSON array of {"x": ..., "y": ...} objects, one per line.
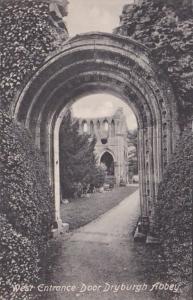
[
  {"x": 113, "y": 128},
  {"x": 84, "y": 127},
  {"x": 104, "y": 141},
  {"x": 91, "y": 127},
  {"x": 105, "y": 125},
  {"x": 107, "y": 163}
]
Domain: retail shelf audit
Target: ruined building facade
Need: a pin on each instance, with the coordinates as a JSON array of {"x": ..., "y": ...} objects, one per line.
[{"x": 111, "y": 143}]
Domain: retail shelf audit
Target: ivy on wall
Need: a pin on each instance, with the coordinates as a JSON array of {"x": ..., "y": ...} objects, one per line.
[
  {"x": 27, "y": 36},
  {"x": 166, "y": 29},
  {"x": 174, "y": 214}
]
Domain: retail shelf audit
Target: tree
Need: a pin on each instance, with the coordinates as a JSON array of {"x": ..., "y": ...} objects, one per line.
[
  {"x": 98, "y": 177},
  {"x": 165, "y": 27},
  {"x": 78, "y": 163}
]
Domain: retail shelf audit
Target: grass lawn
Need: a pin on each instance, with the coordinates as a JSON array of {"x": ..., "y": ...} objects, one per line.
[{"x": 81, "y": 211}]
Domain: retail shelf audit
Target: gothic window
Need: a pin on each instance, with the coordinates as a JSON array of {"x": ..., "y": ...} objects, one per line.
[
  {"x": 98, "y": 125},
  {"x": 105, "y": 125},
  {"x": 113, "y": 128},
  {"x": 84, "y": 127},
  {"x": 107, "y": 163},
  {"x": 91, "y": 127}
]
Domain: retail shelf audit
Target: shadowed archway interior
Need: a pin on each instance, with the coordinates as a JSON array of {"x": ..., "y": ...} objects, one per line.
[
  {"x": 108, "y": 163},
  {"x": 94, "y": 63}
]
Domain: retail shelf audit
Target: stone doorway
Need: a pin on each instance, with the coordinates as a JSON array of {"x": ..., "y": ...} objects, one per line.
[
  {"x": 107, "y": 163},
  {"x": 101, "y": 62}
]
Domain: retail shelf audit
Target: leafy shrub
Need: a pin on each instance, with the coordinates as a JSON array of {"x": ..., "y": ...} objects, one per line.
[
  {"x": 18, "y": 262},
  {"x": 165, "y": 27},
  {"x": 26, "y": 39},
  {"x": 174, "y": 213},
  {"x": 78, "y": 162},
  {"x": 26, "y": 198}
]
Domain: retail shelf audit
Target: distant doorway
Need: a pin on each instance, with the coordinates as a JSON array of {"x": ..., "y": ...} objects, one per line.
[{"x": 107, "y": 163}]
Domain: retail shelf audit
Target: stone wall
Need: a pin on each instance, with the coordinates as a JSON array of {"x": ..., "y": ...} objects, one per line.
[{"x": 111, "y": 136}]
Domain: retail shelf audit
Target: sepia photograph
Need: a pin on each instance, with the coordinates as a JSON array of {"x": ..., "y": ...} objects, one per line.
[{"x": 96, "y": 149}]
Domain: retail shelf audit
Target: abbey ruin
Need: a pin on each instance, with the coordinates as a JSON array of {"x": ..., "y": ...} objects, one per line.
[
  {"x": 105, "y": 63},
  {"x": 112, "y": 143}
]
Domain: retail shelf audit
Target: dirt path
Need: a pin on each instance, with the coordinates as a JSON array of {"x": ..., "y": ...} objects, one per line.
[{"x": 100, "y": 255}]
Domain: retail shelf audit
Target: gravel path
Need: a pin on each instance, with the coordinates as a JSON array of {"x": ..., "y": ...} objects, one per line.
[{"x": 102, "y": 257}]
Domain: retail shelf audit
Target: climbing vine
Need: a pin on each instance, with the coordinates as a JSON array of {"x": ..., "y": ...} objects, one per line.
[
  {"x": 165, "y": 27},
  {"x": 26, "y": 202}
]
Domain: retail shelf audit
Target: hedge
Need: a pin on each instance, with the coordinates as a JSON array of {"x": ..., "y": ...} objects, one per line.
[
  {"x": 18, "y": 262},
  {"x": 26, "y": 197},
  {"x": 165, "y": 27},
  {"x": 27, "y": 37},
  {"x": 26, "y": 201},
  {"x": 174, "y": 214}
]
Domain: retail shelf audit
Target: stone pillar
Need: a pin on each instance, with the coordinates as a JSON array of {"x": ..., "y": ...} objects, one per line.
[
  {"x": 56, "y": 170},
  {"x": 117, "y": 175},
  {"x": 156, "y": 158},
  {"x": 150, "y": 170},
  {"x": 57, "y": 193},
  {"x": 141, "y": 168}
]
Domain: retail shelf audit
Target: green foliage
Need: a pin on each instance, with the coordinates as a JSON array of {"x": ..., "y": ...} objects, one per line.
[
  {"x": 97, "y": 177},
  {"x": 174, "y": 212},
  {"x": 167, "y": 31},
  {"x": 26, "y": 201},
  {"x": 26, "y": 39},
  {"x": 18, "y": 262},
  {"x": 25, "y": 194},
  {"x": 77, "y": 158},
  {"x": 165, "y": 27}
]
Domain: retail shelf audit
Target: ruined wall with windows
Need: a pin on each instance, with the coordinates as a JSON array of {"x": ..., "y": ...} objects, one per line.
[{"x": 111, "y": 135}]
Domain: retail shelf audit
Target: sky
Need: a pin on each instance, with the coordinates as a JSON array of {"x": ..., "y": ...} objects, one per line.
[
  {"x": 97, "y": 15},
  {"x": 102, "y": 105},
  {"x": 94, "y": 15}
]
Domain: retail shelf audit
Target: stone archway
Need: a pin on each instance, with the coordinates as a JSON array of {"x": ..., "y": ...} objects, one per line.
[
  {"x": 107, "y": 160},
  {"x": 101, "y": 62}
]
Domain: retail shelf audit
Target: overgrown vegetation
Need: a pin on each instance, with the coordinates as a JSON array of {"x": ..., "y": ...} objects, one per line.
[
  {"x": 78, "y": 162},
  {"x": 174, "y": 214},
  {"x": 25, "y": 194},
  {"x": 26, "y": 204},
  {"x": 19, "y": 262},
  {"x": 26, "y": 39},
  {"x": 165, "y": 27}
]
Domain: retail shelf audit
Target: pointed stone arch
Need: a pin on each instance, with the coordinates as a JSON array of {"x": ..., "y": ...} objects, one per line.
[
  {"x": 112, "y": 126},
  {"x": 107, "y": 150},
  {"x": 92, "y": 127},
  {"x": 107, "y": 63},
  {"x": 108, "y": 159}
]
